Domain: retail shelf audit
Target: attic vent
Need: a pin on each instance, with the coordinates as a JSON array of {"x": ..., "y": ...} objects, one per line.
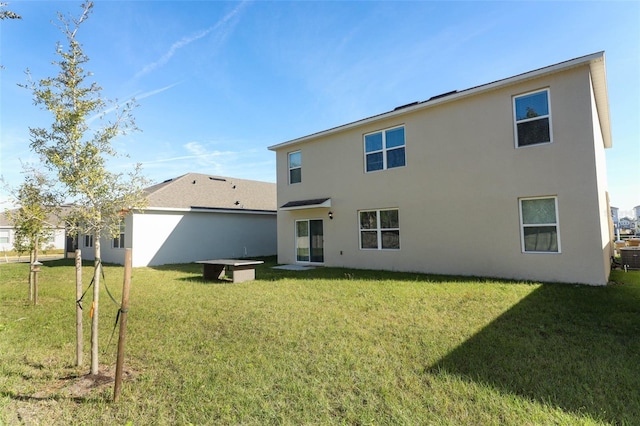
[
  {"x": 168, "y": 180},
  {"x": 406, "y": 106},
  {"x": 194, "y": 182},
  {"x": 442, "y": 95},
  {"x": 218, "y": 179},
  {"x": 236, "y": 203}
]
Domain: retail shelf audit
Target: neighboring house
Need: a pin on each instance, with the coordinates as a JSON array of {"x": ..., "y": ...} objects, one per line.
[
  {"x": 520, "y": 161},
  {"x": 55, "y": 225},
  {"x": 614, "y": 217},
  {"x": 195, "y": 217},
  {"x": 627, "y": 223}
]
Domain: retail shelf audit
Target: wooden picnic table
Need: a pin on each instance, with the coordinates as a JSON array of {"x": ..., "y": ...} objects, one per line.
[{"x": 241, "y": 269}]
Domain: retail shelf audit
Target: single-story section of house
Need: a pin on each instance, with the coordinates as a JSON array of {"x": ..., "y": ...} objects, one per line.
[{"x": 195, "y": 217}]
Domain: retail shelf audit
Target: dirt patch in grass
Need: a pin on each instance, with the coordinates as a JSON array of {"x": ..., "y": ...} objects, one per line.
[{"x": 44, "y": 405}]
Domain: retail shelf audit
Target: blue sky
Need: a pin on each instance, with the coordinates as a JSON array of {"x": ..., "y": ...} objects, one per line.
[{"x": 218, "y": 82}]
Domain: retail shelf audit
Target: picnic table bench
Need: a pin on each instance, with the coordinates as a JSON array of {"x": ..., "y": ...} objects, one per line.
[{"x": 242, "y": 270}]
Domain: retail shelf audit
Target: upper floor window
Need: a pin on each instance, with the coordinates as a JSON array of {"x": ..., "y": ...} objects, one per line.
[
  {"x": 384, "y": 149},
  {"x": 118, "y": 242},
  {"x": 532, "y": 118},
  {"x": 295, "y": 167},
  {"x": 379, "y": 229},
  {"x": 539, "y": 225}
]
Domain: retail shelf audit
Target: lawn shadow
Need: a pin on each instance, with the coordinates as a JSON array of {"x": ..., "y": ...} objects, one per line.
[{"x": 565, "y": 346}]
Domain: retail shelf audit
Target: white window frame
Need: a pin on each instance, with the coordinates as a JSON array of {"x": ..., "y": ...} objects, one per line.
[
  {"x": 88, "y": 240},
  {"x": 378, "y": 230},
  {"x": 5, "y": 234},
  {"x": 118, "y": 242},
  {"x": 523, "y": 225},
  {"x": 289, "y": 168},
  {"x": 516, "y": 121},
  {"x": 384, "y": 149}
]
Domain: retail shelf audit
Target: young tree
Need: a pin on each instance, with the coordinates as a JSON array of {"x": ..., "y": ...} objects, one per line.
[
  {"x": 76, "y": 151},
  {"x": 7, "y": 14},
  {"x": 31, "y": 220}
]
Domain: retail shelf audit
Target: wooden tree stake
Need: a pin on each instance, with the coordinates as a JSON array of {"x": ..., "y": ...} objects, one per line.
[
  {"x": 123, "y": 323},
  {"x": 79, "y": 339}
]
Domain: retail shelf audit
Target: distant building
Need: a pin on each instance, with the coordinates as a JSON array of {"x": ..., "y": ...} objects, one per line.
[
  {"x": 614, "y": 217},
  {"x": 54, "y": 224},
  {"x": 627, "y": 223}
]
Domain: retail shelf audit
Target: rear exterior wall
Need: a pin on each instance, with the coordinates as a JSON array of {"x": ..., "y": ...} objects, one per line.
[{"x": 458, "y": 195}]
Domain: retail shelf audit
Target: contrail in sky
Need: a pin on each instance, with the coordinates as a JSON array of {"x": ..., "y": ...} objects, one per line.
[
  {"x": 141, "y": 96},
  {"x": 185, "y": 41}
]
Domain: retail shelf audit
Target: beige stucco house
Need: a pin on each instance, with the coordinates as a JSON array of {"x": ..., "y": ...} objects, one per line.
[{"x": 505, "y": 180}]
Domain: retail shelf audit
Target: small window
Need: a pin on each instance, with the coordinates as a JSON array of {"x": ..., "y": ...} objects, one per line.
[
  {"x": 539, "y": 225},
  {"x": 4, "y": 236},
  {"x": 118, "y": 242},
  {"x": 532, "y": 118},
  {"x": 88, "y": 240},
  {"x": 384, "y": 149},
  {"x": 295, "y": 167},
  {"x": 379, "y": 229}
]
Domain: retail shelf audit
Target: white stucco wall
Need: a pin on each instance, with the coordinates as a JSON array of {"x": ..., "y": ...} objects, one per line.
[{"x": 177, "y": 237}]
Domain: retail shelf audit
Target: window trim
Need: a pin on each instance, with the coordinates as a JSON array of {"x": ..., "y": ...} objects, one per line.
[
  {"x": 384, "y": 149},
  {"x": 88, "y": 240},
  {"x": 526, "y": 120},
  {"x": 523, "y": 225},
  {"x": 378, "y": 230},
  {"x": 289, "y": 168}
]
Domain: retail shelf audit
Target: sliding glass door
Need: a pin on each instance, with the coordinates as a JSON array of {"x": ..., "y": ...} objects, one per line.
[{"x": 309, "y": 241}]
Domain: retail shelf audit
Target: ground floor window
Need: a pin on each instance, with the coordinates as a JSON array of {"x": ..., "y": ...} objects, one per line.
[
  {"x": 88, "y": 240},
  {"x": 4, "y": 236},
  {"x": 310, "y": 241},
  {"x": 539, "y": 225},
  {"x": 379, "y": 229},
  {"x": 118, "y": 242}
]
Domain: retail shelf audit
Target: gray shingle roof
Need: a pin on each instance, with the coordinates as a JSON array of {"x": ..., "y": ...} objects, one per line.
[
  {"x": 195, "y": 190},
  {"x": 55, "y": 219}
]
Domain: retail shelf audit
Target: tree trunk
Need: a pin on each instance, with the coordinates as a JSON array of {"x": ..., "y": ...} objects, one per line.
[
  {"x": 35, "y": 274},
  {"x": 94, "y": 306},
  {"x": 31, "y": 276}
]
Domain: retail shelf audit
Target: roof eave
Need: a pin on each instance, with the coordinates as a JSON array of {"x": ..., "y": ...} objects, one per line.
[{"x": 599, "y": 82}]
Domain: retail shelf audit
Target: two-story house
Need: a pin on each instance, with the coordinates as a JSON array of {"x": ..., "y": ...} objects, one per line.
[{"x": 520, "y": 161}]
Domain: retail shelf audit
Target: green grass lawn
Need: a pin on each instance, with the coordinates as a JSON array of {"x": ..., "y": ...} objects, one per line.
[{"x": 325, "y": 346}]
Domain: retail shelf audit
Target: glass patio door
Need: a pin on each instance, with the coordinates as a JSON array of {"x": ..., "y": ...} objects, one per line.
[{"x": 309, "y": 241}]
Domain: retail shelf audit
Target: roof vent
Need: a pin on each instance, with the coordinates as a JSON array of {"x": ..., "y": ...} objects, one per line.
[
  {"x": 406, "y": 106},
  {"x": 236, "y": 203},
  {"x": 442, "y": 95},
  {"x": 218, "y": 179},
  {"x": 194, "y": 182},
  {"x": 168, "y": 180}
]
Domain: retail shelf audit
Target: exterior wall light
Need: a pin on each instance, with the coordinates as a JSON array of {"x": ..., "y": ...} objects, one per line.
[{"x": 330, "y": 215}]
